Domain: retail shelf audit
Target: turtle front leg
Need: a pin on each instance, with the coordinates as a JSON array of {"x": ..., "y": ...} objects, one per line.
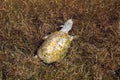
[
  {"x": 74, "y": 37},
  {"x": 45, "y": 37},
  {"x": 61, "y": 26}
]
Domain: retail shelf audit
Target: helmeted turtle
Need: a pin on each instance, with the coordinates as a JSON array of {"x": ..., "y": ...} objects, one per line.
[{"x": 56, "y": 44}]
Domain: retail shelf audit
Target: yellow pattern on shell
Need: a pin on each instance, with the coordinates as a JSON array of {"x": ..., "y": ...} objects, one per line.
[{"x": 55, "y": 47}]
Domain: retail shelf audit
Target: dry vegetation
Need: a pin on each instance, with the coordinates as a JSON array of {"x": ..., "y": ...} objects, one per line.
[{"x": 94, "y": 56}]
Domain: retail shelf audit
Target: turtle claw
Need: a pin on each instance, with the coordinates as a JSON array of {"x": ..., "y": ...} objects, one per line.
[{"x": 45, "y": 37}]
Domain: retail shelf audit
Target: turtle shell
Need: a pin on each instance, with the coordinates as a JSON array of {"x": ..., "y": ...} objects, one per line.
[{"x": 54, "y": 47}]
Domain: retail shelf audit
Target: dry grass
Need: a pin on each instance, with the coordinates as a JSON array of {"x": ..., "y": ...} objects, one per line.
[{"x": 94, "y": 56}]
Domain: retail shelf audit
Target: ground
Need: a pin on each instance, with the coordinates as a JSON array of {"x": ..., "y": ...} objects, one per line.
[{"x": 95, "y": 55}]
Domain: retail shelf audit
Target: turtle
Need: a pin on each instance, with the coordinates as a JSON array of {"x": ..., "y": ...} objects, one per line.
[{"x": 56, "y": 44}]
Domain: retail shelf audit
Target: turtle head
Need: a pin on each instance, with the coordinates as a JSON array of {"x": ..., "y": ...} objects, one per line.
[{"x": 67, "y": 26}]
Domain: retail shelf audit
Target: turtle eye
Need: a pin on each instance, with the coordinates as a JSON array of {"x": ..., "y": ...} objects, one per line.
[{"x": 49, "y": 32}]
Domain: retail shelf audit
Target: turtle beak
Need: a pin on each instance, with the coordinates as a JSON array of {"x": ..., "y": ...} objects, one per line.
[{"x": 70, "y": 21}]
